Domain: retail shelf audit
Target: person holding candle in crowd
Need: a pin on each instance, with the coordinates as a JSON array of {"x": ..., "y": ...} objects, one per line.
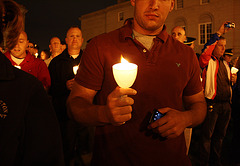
[
  {"x": 168, "y": 79},
  {"x": 217, "y": 81},
  {"x": 30, "y": 133},
  {"x": 62, "y": 78},
  {"x": 19, "y": 56}
]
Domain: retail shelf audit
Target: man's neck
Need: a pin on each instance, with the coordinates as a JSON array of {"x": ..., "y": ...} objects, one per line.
[
  {"x": 55, "y": 54},
  {"x": 17, "y": 60},
  {"x": 218, "y": 56},
  {"x": 73, "y": 52},
  {"x": 143, "y": 31}
]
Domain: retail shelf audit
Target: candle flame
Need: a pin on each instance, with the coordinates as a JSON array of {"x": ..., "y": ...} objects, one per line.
[
  {"x": 124, "y": 73},
  {"x": 123, "y": 60}
]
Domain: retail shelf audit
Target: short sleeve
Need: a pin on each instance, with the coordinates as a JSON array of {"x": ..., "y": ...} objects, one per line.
[{"x": 91, "y": 73}]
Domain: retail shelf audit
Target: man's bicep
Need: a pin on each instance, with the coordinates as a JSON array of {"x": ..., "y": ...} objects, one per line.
[{"x": 82, "y": 92}]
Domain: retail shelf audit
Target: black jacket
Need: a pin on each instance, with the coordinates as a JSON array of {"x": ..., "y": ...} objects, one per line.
[
  {"x": 61, "y": 70},
  {"x": 29, "y": 131}
]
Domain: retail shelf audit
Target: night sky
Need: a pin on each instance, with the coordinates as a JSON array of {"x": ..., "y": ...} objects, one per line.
[{"x": 48, "y": 18}]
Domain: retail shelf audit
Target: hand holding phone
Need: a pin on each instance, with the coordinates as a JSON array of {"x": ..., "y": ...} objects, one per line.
[{"x": 155, "y": 116}]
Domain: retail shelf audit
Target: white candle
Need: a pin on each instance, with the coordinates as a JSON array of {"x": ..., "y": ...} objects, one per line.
[
  {"x": 75, "y": 69},
  {"x": 125, "y": 73},
  {"x": 234, "y": 70}
]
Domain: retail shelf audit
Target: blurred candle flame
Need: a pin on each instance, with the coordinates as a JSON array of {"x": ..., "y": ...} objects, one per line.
[{"x": 123, "y": 60}]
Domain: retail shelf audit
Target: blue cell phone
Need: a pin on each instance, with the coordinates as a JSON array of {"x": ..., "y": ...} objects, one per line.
[{"x": 155, "y": 116}]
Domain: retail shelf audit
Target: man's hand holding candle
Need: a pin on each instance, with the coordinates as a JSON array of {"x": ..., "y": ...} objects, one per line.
[{"x": 119, "y": 108}]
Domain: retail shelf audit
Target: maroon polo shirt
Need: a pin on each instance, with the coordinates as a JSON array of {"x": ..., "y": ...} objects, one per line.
[{"x": 165, "y": 74}]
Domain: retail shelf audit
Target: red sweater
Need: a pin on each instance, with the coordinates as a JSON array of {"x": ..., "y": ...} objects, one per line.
[{"x": 34, "y": 66}]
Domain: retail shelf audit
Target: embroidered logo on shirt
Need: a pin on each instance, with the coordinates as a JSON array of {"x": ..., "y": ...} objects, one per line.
[
  {"x": 3, "y": 110},
  {"x": 178, "y": 64}
]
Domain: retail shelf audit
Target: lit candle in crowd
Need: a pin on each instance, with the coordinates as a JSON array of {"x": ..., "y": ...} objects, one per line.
[
  {"x": 75, "y": 69},
  {"x": 125, "y": 73},
  {"x": 36, "y": 54},
  {"x": 234, "y": 70}
]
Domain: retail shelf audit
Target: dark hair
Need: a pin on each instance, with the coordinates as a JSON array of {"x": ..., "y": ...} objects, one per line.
[{"x": 11, "y": 23}]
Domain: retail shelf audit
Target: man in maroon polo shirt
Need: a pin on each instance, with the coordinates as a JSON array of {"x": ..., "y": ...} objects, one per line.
[{"x": 168, "y": 79}]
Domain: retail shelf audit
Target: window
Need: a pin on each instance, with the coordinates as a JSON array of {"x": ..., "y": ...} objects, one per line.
[
  {"x": 202, "y": 2},
  {"x": 179, "y": 4},
  {"x": 120, "y": 16},
  {"x": 205, "y": 31}
]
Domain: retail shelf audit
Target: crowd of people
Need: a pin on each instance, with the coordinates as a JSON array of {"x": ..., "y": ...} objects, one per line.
[{"x": 65, "y": 102}]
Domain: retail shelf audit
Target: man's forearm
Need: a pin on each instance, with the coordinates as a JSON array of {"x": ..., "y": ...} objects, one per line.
[
  {"x": 196, "y": 114},
  {"x": 86, "y": 113},
  {"x": 196, "y": 109}
]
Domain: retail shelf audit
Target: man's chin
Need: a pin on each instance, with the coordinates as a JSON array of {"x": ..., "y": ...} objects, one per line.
[
  {"x": 17, "y": 55},
  {"x": 152, "y": 25}
]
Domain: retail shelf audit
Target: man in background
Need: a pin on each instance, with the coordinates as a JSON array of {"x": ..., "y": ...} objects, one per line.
[
  {"x": 62, "y": 78},
  {"x": 30, "y": 48},
  {"x": 217, "y": 81},
  {"x": 55, "y": 49},
  {"x": 179, "y": 34},
  {"x": 21, "y": 58}
]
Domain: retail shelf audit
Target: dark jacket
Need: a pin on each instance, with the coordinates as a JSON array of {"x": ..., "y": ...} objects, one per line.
[
  {"x": 61, "y": 70},
  {"x": 29, "y": 131}
]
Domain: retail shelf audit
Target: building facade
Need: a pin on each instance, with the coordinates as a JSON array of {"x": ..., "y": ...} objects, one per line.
[{"x": 200, "y": 18}]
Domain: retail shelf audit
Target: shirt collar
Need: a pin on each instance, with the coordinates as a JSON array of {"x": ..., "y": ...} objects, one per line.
[{"x": 126, "y": 32}]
